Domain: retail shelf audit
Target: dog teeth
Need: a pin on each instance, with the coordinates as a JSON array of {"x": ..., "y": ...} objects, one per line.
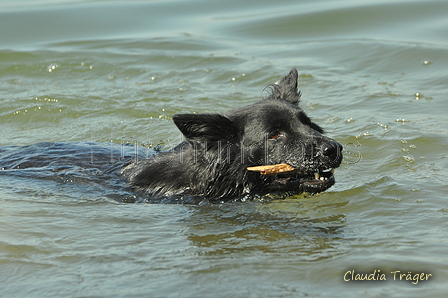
[{"x": 322, "y": 178}]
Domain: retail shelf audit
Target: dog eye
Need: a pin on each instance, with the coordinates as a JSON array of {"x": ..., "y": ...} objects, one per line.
[{"x": 276, "y": 136}]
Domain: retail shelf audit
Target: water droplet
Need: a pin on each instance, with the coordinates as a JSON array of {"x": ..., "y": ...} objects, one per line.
[
  {"x": 52, "y": 67},
  {"x": 418, "y": 95},
  {"x": 382, "y": 125},
  {"x": 402, "y": 120},
  {"x": 409, "y": 158}
]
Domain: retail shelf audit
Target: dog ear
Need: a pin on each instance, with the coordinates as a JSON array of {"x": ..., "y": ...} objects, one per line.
[
  {"x": 286, "y": 89},
  {"x": 205, "y": 127}
]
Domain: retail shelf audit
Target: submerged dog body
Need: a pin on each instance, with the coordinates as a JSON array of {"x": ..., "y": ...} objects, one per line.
[{"x": 213, "y": 162}]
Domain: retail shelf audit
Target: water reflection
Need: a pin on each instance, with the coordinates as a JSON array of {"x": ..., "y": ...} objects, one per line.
[{"x": 305, "y": 226}]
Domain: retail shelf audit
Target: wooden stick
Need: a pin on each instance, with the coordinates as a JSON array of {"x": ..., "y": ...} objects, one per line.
[{"x": 272, "y": 169}]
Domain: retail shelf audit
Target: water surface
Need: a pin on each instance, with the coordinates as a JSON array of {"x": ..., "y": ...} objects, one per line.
[{"x": 372, "y": 73}]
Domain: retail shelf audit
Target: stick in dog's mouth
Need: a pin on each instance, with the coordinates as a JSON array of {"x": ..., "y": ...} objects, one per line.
[
  {"x": 280, "y": 168},
  {"x": 272, "y": 169}
]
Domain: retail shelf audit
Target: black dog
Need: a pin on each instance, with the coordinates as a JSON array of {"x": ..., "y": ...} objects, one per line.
[{"x": 213, "y": 161}]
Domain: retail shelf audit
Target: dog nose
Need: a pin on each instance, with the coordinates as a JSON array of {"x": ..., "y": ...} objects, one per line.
[{"x": 332, "y": 150}]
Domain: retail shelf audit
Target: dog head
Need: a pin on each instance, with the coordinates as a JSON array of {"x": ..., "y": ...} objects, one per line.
[{"x": 272, "y": 131}]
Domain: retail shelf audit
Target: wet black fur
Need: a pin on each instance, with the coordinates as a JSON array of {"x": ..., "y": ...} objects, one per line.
[{"x": 212, "y": 162}]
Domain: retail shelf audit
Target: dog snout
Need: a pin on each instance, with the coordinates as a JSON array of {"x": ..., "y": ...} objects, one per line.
[{"x": 332, "y": 150}]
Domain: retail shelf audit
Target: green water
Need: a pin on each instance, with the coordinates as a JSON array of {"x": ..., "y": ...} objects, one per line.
[{"x": 372, "y": 73}]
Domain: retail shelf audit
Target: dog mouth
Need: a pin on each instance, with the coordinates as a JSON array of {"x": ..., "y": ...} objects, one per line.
[
  {"x": 289, "y": 178},
  {"x": 309, "y": 182}
]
